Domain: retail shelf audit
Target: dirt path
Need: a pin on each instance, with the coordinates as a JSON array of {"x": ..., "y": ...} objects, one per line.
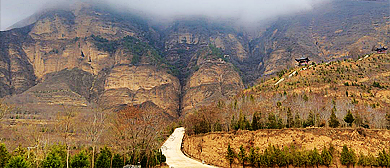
[{"x": 175, "y": 157}]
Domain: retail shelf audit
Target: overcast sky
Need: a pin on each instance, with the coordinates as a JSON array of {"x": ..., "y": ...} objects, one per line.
[{"x": 247, "y": 11}]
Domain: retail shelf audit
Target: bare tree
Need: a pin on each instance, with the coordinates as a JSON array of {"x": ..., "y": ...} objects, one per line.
[
  {"x": 4, "y": 109},
  {"x": 66, "y": 126},
  {"x": 94, "y": 127}
]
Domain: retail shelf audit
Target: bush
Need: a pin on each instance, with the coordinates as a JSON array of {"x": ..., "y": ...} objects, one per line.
[
  {"x": 347, "y": 156},
  {"x": 104, "y": 158},
  {"x": 230, "y": 155},
  {"x": 55, "y": 158},
  {"x": 17, "y": 162},
  {"x": 80, "y": 160},
  {"x": 4, "y": 155},
  {"x": 349, "y": 118},
  {"x": 333, "y": 121},
  {"x": 117, "y": 161}
]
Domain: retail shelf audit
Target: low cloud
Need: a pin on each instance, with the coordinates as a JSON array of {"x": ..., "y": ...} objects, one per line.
[{"x": 245, "y": 11}]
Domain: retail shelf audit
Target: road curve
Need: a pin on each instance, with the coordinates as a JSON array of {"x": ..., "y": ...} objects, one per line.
[{"x": 176, "y": 158}]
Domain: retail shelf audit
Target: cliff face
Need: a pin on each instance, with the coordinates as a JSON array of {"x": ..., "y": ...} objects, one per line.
[
  {"x": 177, "y": 67},
  {"x": 138, "y": 84}
]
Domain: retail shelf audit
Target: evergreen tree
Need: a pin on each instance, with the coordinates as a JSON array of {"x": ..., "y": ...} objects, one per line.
[
  {"x": 233, "y": 124},
  {"x": 56, "y": 157},
  {"x": 349, "y": 118},
  {"x": 333, "y": 121},
  {"x": 4, "y": 155},
  {"x": 17, "y": 162},
  {"x": 230, "y": 155},
  {"x": 242, "y": 156},
  {"x": 347, "y": 156},
  {"x": 80, "y": 160},
  {"x": 256, "y": 123},
  {"x": 104, "y": 158},
  {"x": 53, "y": 160},
  {"x": 290, "y": 119},
  {"x": 326, "y": 157},
  {"x": 310, "y": 120},
  {"x": 117, "y": 161},
  {"x": 297, "y": 121},
  {"x": 363, "y": 160},
  {"x": 315, "y": 157},
  {"x": 252, "y": 156},
  {"x": 383, "y": 158},
  {"x": 272, "y": 123}
]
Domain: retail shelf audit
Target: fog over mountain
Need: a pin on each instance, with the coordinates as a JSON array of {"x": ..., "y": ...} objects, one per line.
[{"x": 244, "y": 11}]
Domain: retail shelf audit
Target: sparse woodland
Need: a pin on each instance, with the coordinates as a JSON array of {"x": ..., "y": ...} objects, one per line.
[{"x": 99, "y": 138}]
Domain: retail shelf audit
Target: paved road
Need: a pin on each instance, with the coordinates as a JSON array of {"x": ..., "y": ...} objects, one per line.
[{"x": 176, "y": 158}]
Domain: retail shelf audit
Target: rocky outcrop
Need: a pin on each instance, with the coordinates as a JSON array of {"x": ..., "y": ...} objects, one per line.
[{"x": 138, "y": 84}]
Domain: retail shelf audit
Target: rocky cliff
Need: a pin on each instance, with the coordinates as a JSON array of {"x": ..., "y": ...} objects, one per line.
[{"x": 176, "y": 66}]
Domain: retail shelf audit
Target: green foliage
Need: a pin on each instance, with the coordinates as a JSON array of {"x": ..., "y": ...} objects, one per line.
[
  {"x": 80, "y": 160},
  {"x": 326, "y": 157},
  {"x": 230, "y": 155},
  {"x": 4, "y": 155},
  {"x": 117, "y": 161},
  {"x": 383, "y": 158},
  {"x": 310, "y": 121},
  {"x": 17, "y": 162},
  {"x": 290, "y": 119},
  {"x": 274, "y": 122},
  {"x": 160, "y": 157},
  {"x": 56, "y": 157},
  {"x": 103, "y": 44},
  {"x": 315, "y": 157},
  {"x": 377, "y": 84},
  {"x": 256, "y": 121},
  {"x": 347, "y": 156},
  {"x": 104, "y": 158},
  {"x": 333, "y": 121},
  {"x": 349, "y": 118},
  {"x": 242, "y": 155},
  {"x": 53, "y": 160},
  {"x": 297, "y": 121}
]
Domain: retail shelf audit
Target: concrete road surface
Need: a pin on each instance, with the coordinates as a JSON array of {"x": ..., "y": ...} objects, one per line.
[{"x": 175, "y": 158}]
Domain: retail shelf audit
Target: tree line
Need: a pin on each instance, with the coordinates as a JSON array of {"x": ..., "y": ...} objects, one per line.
[
  {"x": 57, "y": 158},
  {"x": 134, "y": 133},
  {"x": 274, "y": 156},
  {"x": 211, "y": 119}
]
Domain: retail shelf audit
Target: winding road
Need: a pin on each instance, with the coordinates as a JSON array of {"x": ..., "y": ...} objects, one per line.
[{"x": 175, "y": 157}]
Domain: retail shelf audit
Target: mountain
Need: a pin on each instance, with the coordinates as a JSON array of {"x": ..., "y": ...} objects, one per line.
[{"x": 92, "y": 55}]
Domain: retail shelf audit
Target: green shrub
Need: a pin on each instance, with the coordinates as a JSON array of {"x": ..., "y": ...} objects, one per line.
[
  {"x": 17, "y": 162},
  {"x": 80, "y": 160}
]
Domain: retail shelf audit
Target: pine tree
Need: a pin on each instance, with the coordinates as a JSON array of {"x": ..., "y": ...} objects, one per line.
[
  {"x": 272, "y": 123},
  {"x": 230, "y": 155},
  {"x": 4, "y": 155},
  {"x": 252, "y": 156},
  {"x": 333, "y": 121},
  {"x": 80, "y": 160},
  {"x": 315, "y": 157},
  {"x": 104, "y": 158},
  {"x": 242, "y": 156},
  {"x": 256, "y": 123},
  {"x": 349, "y": 118},
  {"x": 326, "y": 157},
  {"x": 310, "y": 120},
  {"x": 290, "y": 118},
  {"x": 17, "y": 162},
  {"x": 347, "y": 156},
  {"x": 297, "y": 121}
]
